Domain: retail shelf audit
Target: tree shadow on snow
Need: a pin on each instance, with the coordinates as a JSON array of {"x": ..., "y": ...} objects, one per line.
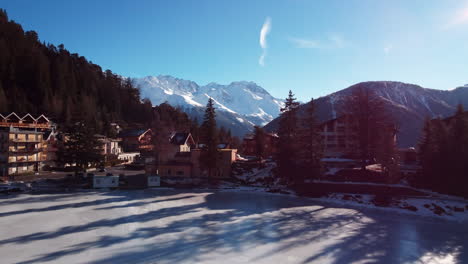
[{"x": 226, "y": 222}]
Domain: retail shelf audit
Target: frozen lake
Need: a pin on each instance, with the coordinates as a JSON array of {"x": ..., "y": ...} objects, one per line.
[{"x": 174, "y": 226}]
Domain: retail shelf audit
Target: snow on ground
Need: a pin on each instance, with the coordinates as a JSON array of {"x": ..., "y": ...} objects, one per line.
[
  {"x": 434, "y": 205},
  {"x": 190, "y": 226},
  {"x": 446, "y": 209},
  {"x": 257, "y": 174}
]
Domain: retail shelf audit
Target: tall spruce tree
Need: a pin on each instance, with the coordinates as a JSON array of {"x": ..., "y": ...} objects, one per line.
[
  {"x": 81, "y": 147},
  {"x": 458, "y": 170},
  {"x": 209, "y": 138},
  {"x": 443, "y": 153},
  {"x": 260, "y": 140},
  {"x": 311, "y": 145},
  {"x": 3, "y": 100},
  {"x": 426, "y": 154},
  {"x": 287, "y": 146},
  {"x": 367, "y": 110}
]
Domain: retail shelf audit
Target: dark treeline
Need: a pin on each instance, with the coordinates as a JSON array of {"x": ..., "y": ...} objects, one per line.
[
  {"x": 41, "y": 78},
  {"x": 443, "y": 153}
]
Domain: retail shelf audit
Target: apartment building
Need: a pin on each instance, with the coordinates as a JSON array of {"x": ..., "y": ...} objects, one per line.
[
  {"x": 22, "y": 143},
  {"x": 339, "y": 137}
]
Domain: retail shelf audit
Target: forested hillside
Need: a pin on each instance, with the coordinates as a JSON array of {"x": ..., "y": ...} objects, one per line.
[{"x": 40, "y": 78}]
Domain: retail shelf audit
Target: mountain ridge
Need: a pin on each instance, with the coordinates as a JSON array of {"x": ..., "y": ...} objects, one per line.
[
  {"x": 409, "y": 104},
  {"x": 241, "y": 104}
]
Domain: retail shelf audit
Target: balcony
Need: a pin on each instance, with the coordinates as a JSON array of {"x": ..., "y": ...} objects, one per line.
[
  {"x": 23, "y": 140},
  {"x": 26, "y": 150},
  {"x": 25, "y": 160},
  {"x": 25, "y": 125}
]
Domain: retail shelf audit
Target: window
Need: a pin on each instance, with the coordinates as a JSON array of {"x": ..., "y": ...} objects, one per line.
[
  {"x": 169, "y": 172},
  {"x": 331, "y": 138},
  {"x": 330, "y": 126},
  {"x": 180, "y": 173}
]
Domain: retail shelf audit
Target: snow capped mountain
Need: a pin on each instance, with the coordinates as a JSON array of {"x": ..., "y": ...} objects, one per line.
[
  {"x": 244, "y": 103},
  {"x": 409, "y": 104}
]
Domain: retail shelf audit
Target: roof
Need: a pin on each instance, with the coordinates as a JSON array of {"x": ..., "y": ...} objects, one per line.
[
  {"x": 133, "y": 132},
  {"x": 8, "y": 117},
  {"x": 180, "y": 138}
]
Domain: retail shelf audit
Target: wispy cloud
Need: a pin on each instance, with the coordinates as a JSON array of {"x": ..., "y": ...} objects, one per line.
[
  {"x": 266, "y": 28},
  {"x": 332, "y": 41}
]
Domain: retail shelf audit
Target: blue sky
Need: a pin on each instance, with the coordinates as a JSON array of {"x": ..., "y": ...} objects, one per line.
[{"x": 312, "y": 47}]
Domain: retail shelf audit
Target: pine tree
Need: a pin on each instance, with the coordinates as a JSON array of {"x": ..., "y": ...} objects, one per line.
[
  {"x": 365, "y": 109},
  {"x": 442, "y": 159},
  {"x": 287, "y": 147},
  {"x": 209, "y": 138},
  {"x": 426, "y": 155},
  {"x": 3, "y": 100},
  {"x": 81, "y": 147},
  {"x": 311, "y": 145},
  {"x": 259, "y": 138},
  {"x": 459, "y": 152}
]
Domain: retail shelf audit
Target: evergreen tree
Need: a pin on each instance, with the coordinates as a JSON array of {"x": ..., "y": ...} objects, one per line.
[
  {"x": 458, "y": 171},
  {"x": 426, "y": 155},
  {"x": 311, "y": 145},
  {"x": 287, "y": 146},
  {"x": 3, "y": 100},
  {"x": 442, "y": 157},
  {"x": 367, "y": 111},
  {"x": 209, "y": 138},
  {"x": 81, "y": 147},
  {"x": 260, "y": 140}
]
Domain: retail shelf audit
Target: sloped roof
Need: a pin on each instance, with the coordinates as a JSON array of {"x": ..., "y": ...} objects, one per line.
[
  {"x": 30, "y": 117},
  {"x": 42, "y": 118},
  {"x": 180, "y": 138},
  {"x": 13, "y": 115}
]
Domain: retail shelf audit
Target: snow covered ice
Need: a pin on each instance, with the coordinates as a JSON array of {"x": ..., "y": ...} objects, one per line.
[{"x": 176, "y": 226}]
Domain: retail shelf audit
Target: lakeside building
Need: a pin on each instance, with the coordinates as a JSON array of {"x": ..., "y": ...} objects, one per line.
[
  {"x": 110, "y": 146},
  {"x": 24, "y": 145},
  {"x": 270, "y": 148},
  {"x": 136, "y": 140},
  {"x": 181, "y": 158},
  {"x": 339, "y": 137}
]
